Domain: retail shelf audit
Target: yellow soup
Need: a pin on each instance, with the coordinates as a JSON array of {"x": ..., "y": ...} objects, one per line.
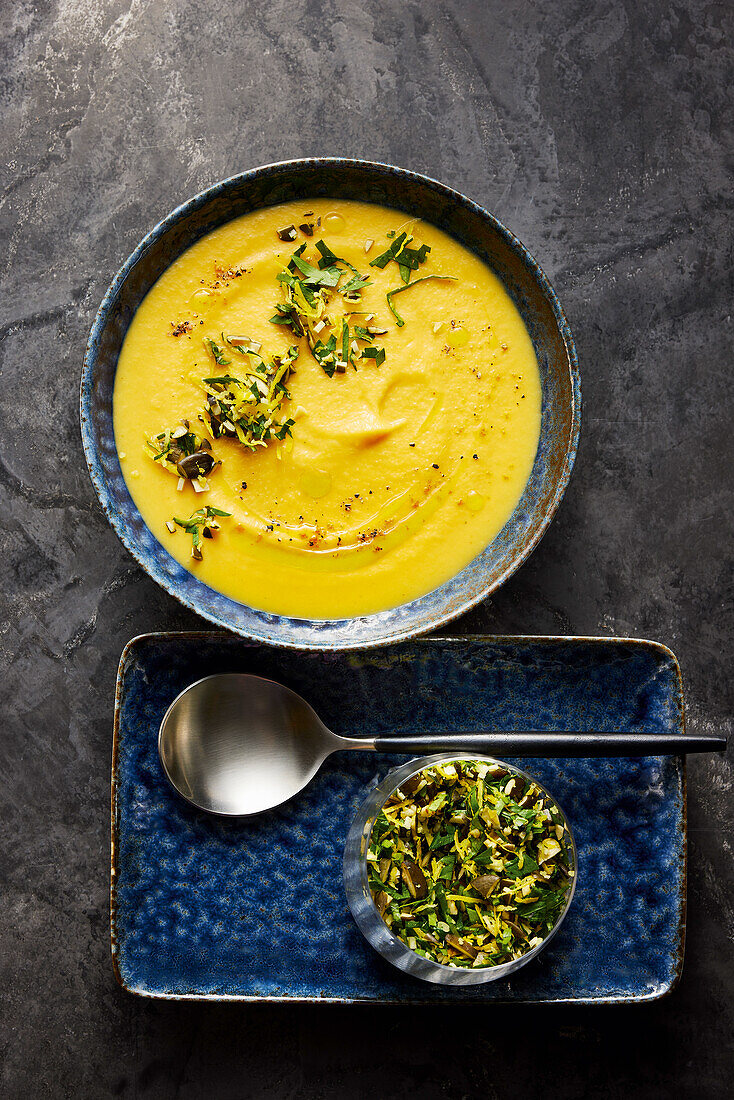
[{"x": 377, "y": 480}]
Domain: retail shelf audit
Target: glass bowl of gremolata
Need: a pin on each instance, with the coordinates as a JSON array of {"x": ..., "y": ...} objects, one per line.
[{"x": 459, "y": 869}]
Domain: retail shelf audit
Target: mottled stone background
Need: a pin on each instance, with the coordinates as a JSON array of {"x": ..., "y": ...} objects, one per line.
[{"x": 601, "y": 133}]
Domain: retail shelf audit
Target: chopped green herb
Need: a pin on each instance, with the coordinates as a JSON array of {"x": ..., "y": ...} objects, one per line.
[
  {"x": 408, "y": 259},
  {"x": 468, "y": 867},
  {"x": 325, "y": 354},
  {"x": 315, "y": 276},
  {"x": 391, "y": 252},
  {"x": 378, "y": 354},
  {"x": 217, "y": 352},
  {"x": 201, "y": 524},
  {"x": 355, "y": 286},
  {"x": 399, "y": 290},
  {"x": 287, "y": 314},
  {"x": 246, "y": 408},
  {"x": 345, "y": 341},
  {"x": 328, "y": 258},
  {"x": 308, "y": 291},
  {"x": 182, "y": 452}
]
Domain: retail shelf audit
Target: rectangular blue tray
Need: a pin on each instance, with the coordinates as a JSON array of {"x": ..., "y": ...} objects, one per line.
[{"x": 206, "y": 908}]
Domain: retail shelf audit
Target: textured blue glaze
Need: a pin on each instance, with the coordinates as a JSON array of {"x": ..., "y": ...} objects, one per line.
[
  {"x": 394, "y": 187},
  {"x": 203, "y": 907}
]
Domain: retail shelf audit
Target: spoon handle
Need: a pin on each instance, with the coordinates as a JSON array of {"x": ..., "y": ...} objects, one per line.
[{"x": 546, "y": 743}]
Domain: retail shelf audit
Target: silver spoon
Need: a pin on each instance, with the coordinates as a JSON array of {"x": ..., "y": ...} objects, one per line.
[{"x": 236, "y": 744}]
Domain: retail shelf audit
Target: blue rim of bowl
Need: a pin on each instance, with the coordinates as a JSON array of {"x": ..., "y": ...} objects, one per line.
[{"x": 313, "y": 639}]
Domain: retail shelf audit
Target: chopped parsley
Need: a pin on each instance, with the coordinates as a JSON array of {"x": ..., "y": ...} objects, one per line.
[
  {"x": 378, "y": 354},
  {"x": 218, "y": 353},
  {"x": 201, "y": 524},
  {"x": 247, "y": 408},
  {"x": 308, "y": 292},
  {"x": 399, "y": 290},
  {"x": 408, "y": 259}
]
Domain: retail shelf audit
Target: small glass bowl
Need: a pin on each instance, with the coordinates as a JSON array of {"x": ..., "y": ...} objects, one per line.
[{"x": 365, "y": 912}]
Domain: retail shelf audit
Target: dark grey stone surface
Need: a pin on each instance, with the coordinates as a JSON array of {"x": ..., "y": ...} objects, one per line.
[{"x": 601, "y": 133}]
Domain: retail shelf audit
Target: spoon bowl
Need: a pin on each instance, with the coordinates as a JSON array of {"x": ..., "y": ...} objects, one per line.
[{"x": 237, "y": 744}]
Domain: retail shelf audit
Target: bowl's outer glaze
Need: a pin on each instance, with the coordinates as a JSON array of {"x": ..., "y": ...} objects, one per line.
[
  {"x": 210, "y": 908},
  {"x": 389, "y": 186}
]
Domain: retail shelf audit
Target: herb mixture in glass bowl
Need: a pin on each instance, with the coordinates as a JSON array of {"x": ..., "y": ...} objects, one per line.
[{"x": 470, "y": 864}]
